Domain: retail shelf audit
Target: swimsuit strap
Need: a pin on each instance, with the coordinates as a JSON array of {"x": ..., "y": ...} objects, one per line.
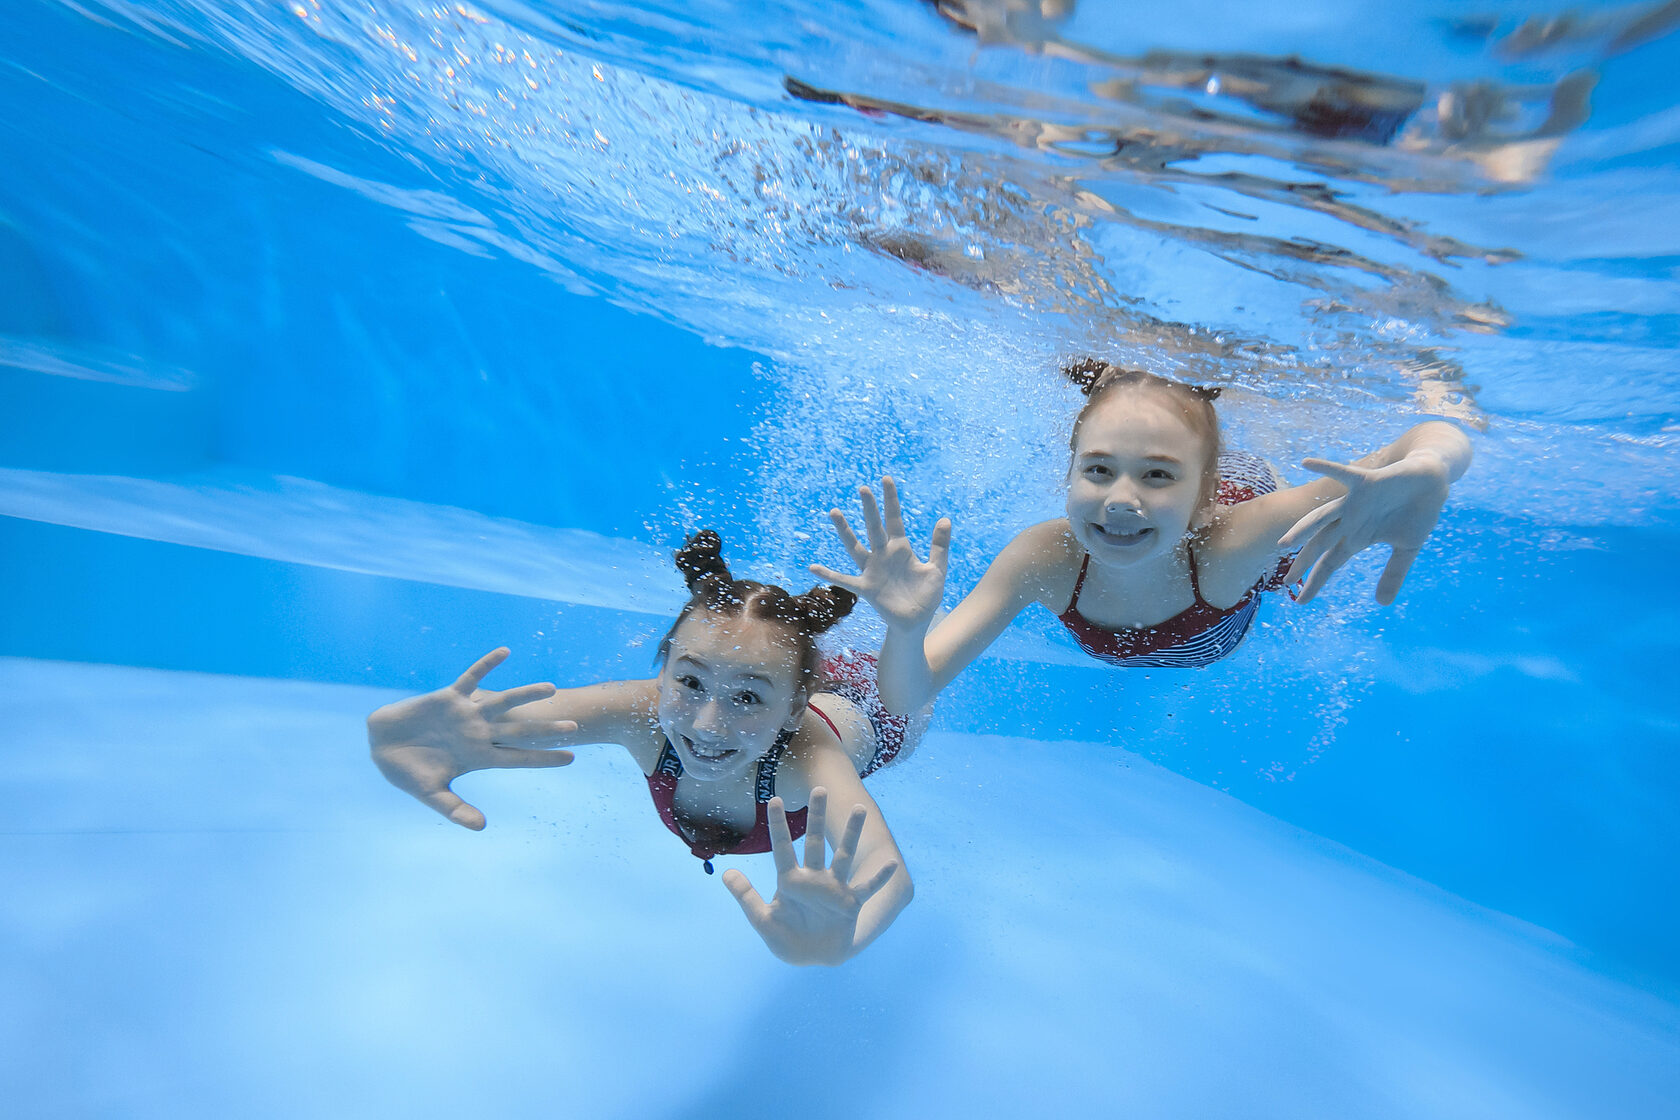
[
  {"x": 669, "y": 764},
  {"x": 1078, "y": 584},
  {"x": 764, "y": 787},
  {"x": 1195, "y": 585},
  {"x": 824, "y": 717}
]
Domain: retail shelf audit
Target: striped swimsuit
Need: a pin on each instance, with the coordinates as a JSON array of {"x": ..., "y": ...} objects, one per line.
[{"x": 1202, "y": 633}]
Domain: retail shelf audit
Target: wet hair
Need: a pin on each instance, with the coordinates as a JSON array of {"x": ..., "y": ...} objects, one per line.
[
  {"x": 1097, "y": 379},
  {"x": 712, "y": 589}
]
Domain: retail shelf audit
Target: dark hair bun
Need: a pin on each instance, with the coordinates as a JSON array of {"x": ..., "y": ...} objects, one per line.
[
  {"x": 1085, "y": 373},
  {"x": 821, "y": 607},
  {"x": 701, "y": 560}
]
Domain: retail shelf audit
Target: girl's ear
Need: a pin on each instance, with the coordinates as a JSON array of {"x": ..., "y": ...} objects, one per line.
[
  {"x": 797, "y": 716},
  {"x": 1204, "y": 516}
]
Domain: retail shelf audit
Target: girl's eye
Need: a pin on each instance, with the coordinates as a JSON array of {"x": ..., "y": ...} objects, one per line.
[
  {"x": 1158, "y": 475},
  {"x": 690, "y": 683},
  {"x": 1096, "y": 472},
  {"x": 747, "y": 699}
]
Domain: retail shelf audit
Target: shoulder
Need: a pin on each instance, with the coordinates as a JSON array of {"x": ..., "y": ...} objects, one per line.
[
  {"x": 833, "y": 743},
  {"x": 833, "y": 722},
  {"x": 1043, "y": 550},
  {"x": 1034, "y": 561},
  {"x": 1045, "y": 541},
  {"x": 1045, "y": 561},
  {"x": 634, "y": 708}
]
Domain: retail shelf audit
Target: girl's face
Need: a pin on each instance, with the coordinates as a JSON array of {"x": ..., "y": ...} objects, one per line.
[
  {"x": 1136, "y": 478},
  {"x": 728, "y": 688}
]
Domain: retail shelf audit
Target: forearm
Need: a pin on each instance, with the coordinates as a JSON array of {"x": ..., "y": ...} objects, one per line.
[
  {"x": 882, "y": 910},
  {"x": 904, "y": 676},
  {"x": 916, "y": 665},
  {"x": 611, "y": 712},
  {"x": 876, "y": 850},
  {"x": 874, "y": 847}
]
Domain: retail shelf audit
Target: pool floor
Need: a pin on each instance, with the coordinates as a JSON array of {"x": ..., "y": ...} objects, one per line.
[{"x": 215, "y": 906}]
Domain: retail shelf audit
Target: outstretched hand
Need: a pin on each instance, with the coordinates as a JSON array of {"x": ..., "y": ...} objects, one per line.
[
  {"x": 903, "y": 590},
  {"x": 813, "y": 917},
  {"x": 424, "y": 743},
  {"x": 1396, "y": 505}
]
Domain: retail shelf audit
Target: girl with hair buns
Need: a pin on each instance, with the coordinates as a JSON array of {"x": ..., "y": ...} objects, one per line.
[
  {"x": 1166, "y": 545},
  {"x": 744, "y": 737}
]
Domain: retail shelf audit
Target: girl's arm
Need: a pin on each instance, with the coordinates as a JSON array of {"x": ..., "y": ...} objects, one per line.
[
  {"x": 621, "y": 712},
  {"x": 424, "y": 743},
  {"x": 916, "y": 665},
  {"x": 1392, "y": 496},
  {"x": 827, "y": 912},
  {"x": 906, "y": 593}
]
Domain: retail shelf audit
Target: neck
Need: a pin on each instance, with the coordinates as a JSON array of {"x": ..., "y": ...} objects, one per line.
[{"x": 1143, "y": 589}]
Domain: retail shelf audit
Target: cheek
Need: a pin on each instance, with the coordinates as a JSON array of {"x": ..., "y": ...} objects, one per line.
[
  {"x": 1185, "y": 501},
  {"x": 768, "y": 718},
  {"x": 676, "y": 706}
]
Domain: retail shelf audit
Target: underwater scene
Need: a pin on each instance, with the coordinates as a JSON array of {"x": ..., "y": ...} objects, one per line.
[{"x": 1124, "y": 547}]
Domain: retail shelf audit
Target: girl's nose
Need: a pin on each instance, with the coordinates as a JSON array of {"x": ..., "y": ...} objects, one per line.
[
  {"x": 710, "y": 717},
  {"x": 1122, "y": 495}
]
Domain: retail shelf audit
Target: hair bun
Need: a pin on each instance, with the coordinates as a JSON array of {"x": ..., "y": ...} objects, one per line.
[
  {"x": 820, "y": 608},
  {"x": 701, "y": 559},
  {"x": 1209, "y": 393},
  {"x": 1085, "y": 373}
]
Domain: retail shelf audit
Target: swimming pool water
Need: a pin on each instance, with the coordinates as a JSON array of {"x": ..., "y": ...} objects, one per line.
[{"x": 340, "y": 346}]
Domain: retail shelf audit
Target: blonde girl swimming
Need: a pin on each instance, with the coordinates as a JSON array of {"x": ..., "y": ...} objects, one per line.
[{"x": 1166, "y": 544}]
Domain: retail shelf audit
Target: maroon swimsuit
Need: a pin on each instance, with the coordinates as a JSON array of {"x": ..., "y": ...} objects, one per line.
[{"x": 849, "y": 675}]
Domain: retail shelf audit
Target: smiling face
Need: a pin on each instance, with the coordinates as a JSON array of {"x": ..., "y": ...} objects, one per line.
[
  {"x": 1135, "y": 485},
  {"x": 728, "y": 688}
]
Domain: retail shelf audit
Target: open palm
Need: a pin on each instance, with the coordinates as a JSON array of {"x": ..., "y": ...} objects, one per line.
[
  {"x": 903, "y": 589},
  {"x": 424, "y": 743},
  {"x": 814, "y": 915},
  {"x": 1397, "y": 505}
]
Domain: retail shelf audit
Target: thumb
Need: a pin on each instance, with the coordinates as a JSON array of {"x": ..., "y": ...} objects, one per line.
[
  {"x": 1345, "y": 473},
  {"x": 446, "y": 802},
  {"x": 1394, "y": 574},
  {"x": 752, "y": 905}
]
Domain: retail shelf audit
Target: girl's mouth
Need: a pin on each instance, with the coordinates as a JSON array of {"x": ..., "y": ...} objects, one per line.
[
  {"x": 1123, "y": 539},
  {"x": 705, "y": 755}
]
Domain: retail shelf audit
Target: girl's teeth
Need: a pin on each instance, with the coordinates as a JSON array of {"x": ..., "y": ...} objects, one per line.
[{"x": 708, "y": 755}]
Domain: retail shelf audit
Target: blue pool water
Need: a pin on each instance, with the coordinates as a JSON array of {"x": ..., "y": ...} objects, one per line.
[{"x": 341, "y": 342}]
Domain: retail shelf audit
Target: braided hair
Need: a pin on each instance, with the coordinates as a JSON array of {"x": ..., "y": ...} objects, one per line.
[
  {"x": 711, "y": 588},
  {"x": 1097, "y": 379}
]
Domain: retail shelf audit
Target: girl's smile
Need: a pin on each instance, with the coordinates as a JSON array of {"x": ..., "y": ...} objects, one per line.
[
  {"x": 705, "y": 754},
  {"x": 1121, "y": 536}
]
